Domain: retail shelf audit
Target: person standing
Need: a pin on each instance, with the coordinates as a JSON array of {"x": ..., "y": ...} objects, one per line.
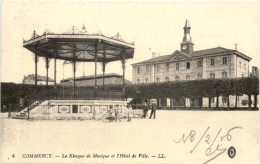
[
  {"x": 153, "y": 112},
  {"x": 117, "y": 116},
  {"x": 129, "y": 112},
  {"x": 145, "y": 109}
]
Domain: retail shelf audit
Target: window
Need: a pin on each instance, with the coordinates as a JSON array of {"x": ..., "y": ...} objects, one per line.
[
  {"x": 147, "y": 68},
  {"x": 199, "y": 63},
  {"x": 224, "y": 60},
  {"x": 177, "y": 66},
  {"x": 157, "y": 79},
  {"x": 199, "y": 76},
  {"x": 212, "y": 62},
  {"x": 245, "y": 67},
  {"x": 224, "y": 74},
  {"x": 138, "y": 70},
  {"x": 188, "y": 77},
  {"x": 138, "y": 81},
  {"x": 188, "y": 65},
  {"x": 158, "y": 68},
  {"x": 239, "y": 65},
  {"x": 212, "y": 75},
  {"x": 167, "y": 66},
  {"x": 146, "y": 80},
  {"x": 177, "y": 78},
  {"x": 166, "y": 78}
]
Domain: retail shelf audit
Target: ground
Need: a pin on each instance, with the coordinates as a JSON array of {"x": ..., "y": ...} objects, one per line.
[{"x": 71, "y": 141}]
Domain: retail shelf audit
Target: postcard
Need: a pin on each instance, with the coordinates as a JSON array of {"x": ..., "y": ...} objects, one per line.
[{"x": 129, "y": 82}]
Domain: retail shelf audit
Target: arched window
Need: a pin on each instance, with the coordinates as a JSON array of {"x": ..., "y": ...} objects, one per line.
[
  {"x": 177, "y": 78},
  {"x": 212, "y": 75},
  {"x": 199, "y": 76},
  {"x": 224, "y": 74},
  {"x": 157, "y": 79},
  {"x": 167, "y": 79},
  {"x": 188, "y": 77}
]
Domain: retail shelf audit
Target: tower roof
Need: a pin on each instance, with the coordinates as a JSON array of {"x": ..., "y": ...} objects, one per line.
[
  {"x": 187, "y": 24},
  {"x": 187, "y": 37}
]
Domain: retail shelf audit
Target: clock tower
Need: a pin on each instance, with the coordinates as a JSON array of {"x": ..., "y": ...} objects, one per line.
[{"x": 187, "y": 45}]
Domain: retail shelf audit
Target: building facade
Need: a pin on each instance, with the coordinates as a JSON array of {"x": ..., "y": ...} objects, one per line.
[
  {"x": 42, "y": 80},
  {"x": 108, "y": 79},
  {"x": 187, "y": 64}
]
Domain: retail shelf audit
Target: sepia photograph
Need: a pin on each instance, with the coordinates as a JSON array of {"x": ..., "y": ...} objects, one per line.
[{"x": 139, "y": 82}]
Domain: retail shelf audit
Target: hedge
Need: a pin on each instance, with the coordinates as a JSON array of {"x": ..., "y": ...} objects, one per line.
[
  {"x": 11, "y": 92},
  {"x": 195, "y": 88}
]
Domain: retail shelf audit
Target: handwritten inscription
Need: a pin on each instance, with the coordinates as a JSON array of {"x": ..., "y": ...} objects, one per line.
[{"x": 214, "y": 146}]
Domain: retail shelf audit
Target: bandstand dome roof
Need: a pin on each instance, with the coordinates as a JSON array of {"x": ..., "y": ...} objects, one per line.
[{"x": 80, "y": 47}]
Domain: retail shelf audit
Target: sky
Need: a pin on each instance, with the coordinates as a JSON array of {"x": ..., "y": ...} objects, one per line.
[{"x": 153, "y": 26}]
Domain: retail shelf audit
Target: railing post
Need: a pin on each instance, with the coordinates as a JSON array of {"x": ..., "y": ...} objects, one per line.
[
  {"x": 28, "y": 112},
  {"x": 48, "y": 110}
]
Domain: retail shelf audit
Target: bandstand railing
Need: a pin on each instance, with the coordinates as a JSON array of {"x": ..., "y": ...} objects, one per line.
[
  {"x": 68, "y": 93},
  {"x": 87, "y": 94}
]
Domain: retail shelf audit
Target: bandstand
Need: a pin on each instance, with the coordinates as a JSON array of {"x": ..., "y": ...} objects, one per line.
[{"x": 76, "y": 47}]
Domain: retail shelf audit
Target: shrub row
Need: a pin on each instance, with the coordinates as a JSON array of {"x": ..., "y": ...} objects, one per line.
[{"x": 11, "y": 92}]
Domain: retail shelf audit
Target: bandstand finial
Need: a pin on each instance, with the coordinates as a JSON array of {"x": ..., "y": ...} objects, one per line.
[
  {"x": 34, "y": 35},
  {"x": 117, "y": 36},
  {"x": 84, "y": 28}
]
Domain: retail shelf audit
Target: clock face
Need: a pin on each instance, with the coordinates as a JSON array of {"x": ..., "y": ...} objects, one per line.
[{"x": 184, "y": 47}]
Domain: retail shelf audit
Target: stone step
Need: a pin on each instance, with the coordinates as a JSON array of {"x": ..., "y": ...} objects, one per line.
[
  {"x": 19, "y": 117},
  {"x": 22, "y": 115}
]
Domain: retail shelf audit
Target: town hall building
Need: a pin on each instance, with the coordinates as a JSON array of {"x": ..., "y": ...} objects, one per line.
[{"x": 187, "y": 64}]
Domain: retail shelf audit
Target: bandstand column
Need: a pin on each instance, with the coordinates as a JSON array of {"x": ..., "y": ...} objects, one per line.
[
  {"x": 104, "y": 69},
  {"x": 123, "y": 67},
  {"x": 35, "y": 76},
  {"x": 55, "y": 61},
  {"x": 96, "y": 44},
  {"x": 74, "y": 78},
  {"x": 47, "y": 65}
]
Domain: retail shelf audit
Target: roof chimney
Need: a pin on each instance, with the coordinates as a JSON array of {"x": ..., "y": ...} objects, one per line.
[
  {"x": 236, "y": 46},
  {"x": 155, "y": 54}
]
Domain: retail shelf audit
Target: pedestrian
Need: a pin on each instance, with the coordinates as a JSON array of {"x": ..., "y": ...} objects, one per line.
[
  {"x": 110, "y": 110},
  {"x": 117, "y": 116},
  {"x": 129, "y": 112},
  {"x": 153, "y": 112},
  {"x": 145, "y": 109}
]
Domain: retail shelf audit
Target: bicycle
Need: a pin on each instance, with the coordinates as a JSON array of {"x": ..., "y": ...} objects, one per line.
[{"x": 109, "y": 117}]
